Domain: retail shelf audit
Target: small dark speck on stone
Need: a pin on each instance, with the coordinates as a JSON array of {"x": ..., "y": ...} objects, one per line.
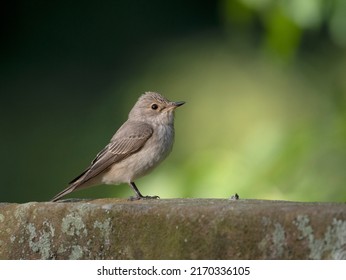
[{"x": 234, "y": 197}]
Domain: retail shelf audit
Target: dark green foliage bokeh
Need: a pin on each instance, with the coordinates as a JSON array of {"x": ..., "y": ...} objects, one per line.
[{"x": 264, "y": 83}]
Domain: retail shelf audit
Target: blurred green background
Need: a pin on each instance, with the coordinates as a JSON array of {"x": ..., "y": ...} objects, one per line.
[{"x": 264, "y": 82}]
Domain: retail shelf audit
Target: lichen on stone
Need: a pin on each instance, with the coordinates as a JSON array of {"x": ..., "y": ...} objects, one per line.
[
  {"x": 72, "y": 224},
  {"x": 333, "y": 243},
  {"x": 40, "y": 242},
  {"x": 76, "y": 252}
]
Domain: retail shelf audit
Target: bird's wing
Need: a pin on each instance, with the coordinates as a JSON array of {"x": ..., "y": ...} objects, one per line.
[{"x": 130, "y": 138}]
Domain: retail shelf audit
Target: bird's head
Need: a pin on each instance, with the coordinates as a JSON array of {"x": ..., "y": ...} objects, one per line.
[{"x": 153, "y": 108}]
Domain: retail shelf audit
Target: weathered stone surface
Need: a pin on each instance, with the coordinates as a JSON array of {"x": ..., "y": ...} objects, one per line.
[{"x": 173, "y": 229}]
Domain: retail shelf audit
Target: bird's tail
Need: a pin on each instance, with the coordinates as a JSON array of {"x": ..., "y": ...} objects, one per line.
[
  {"x": 66, "y": 191},
  {"x": 78, "y": 183}
]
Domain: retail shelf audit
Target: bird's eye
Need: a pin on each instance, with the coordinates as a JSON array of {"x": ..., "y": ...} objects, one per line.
[{"x": 154, "y": 106}]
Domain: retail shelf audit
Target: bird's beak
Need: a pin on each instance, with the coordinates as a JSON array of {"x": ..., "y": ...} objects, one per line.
[{"x": 177, "y": 104}]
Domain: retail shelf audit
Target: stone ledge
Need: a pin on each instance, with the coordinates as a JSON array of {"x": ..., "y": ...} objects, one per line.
[{"x": 173, "y": 229}]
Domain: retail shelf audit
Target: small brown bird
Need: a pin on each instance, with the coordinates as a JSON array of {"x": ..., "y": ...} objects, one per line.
[{"x": 139, "y": 145}]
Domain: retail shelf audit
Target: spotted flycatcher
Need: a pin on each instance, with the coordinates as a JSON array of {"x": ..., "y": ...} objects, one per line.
[{"x": 140, "y": 144}]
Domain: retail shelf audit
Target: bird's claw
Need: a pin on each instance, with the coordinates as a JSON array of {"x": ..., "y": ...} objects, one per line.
[{"x": 134, "y": 198}]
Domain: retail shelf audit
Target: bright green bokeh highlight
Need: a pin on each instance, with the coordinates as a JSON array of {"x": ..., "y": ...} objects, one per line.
[{"x": 249, "y": 126}]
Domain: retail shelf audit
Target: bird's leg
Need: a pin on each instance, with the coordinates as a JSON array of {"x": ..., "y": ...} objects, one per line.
[{"x": 138, "y": 193}]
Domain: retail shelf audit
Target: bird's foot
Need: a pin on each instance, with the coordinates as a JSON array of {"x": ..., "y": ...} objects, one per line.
[{"x": 134, "y": 198}]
